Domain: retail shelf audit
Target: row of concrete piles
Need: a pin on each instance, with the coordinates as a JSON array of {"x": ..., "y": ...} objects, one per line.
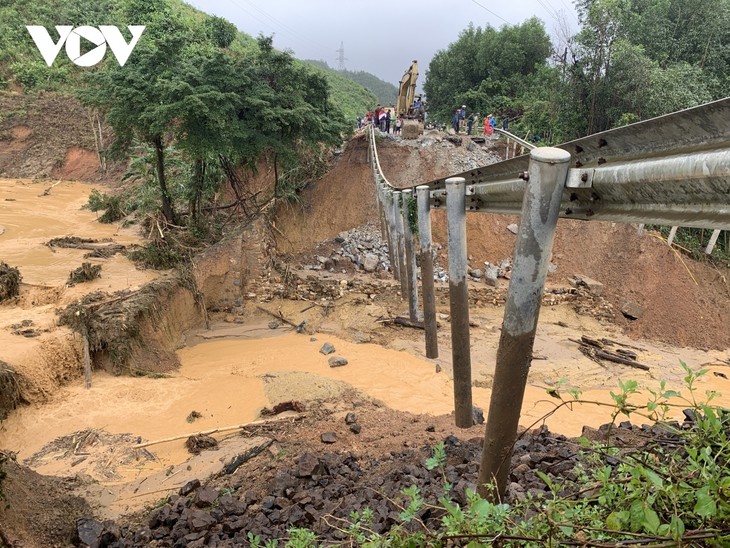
[{"x": 401, "y": 213}]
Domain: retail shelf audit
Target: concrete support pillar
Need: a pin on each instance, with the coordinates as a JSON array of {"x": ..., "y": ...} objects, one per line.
[
  {"x": 410, "y": 247},
  {"x": 427, "y": 284},
  {"x": 459, "y": 300},
  {"x": 540, "y": 208},
  {"x": 400, "y": 243}
]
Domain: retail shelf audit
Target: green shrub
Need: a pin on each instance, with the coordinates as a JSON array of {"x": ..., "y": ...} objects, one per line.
[
  {"x": 111, "y": 205},
  {"x": 157, "y": 255}
]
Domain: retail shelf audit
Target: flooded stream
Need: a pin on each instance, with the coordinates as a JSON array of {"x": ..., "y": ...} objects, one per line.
[{"x": 230, "y": 373}]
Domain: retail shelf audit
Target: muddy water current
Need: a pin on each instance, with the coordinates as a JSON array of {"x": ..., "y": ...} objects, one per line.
[
  {"x": 229, "y": 381},
  {"x": 29, "y": 219}
]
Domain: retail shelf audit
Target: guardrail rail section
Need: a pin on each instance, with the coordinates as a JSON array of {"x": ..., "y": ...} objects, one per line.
[{"x": 673, "y": 170}]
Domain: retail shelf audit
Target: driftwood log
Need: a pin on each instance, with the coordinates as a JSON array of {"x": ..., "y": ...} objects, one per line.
[
  {"x": 98, "y": 248},
  {"x": 403, "y": 321},
  {"x": 215, "y": 431},
  {"x": 596, "y": 350},
  {"x": 279, "y": 316}
]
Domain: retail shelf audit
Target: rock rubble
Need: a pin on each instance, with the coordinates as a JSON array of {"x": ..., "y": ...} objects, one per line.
[{"x": 320, "y": 490}]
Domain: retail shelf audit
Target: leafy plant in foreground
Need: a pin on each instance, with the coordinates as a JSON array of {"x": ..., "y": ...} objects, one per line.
[{"x": 671, "y": 490}]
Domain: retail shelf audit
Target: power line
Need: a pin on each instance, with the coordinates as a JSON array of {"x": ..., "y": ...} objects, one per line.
[
  {"x": 490, "y": 11},
  {"x": 273, "y": 24},
  {"x": 570, "y": 10},
  {"x": 551, "y": 11},
  {"x": 291, "y": 31}
]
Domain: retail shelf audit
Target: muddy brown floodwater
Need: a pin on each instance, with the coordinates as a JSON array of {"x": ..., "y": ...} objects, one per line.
[
  {"x": 229, "y": 373},
  {"x": 31, "y": 219}
]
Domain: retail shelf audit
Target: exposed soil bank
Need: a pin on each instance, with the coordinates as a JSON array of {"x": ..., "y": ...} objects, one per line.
[
  {"x": 48, "y": 135},
  {"x": 684, "y": 302}
]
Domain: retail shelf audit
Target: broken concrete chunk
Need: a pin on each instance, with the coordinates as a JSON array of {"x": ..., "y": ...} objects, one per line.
[
  {"x": 595, "y": 287},
  {"x": 337, "y": 361},
  {"x": 370, "y": 262},
  {"x": 632, "y": 310},
  {"x": 477, "y": 414},
  {"x": 327, "y": 348},
  {"x": 491, "y": 274}
]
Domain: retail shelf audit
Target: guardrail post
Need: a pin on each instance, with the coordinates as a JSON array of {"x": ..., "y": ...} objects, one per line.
[
  {"x": 411, "y": 273},
  {"x": 713, "y": 241},
  {"x": 379, "y": 205},
  {"x": 400, "y": 243},
  {"x": 423, "y": 193},
  {"x": 459, "y": 300},
  {"x": 393, "y": 230},
  {"x": 672, "y": 234},
  {"x": 384, "y": 203},
  {"x": 540, "y": 208}
]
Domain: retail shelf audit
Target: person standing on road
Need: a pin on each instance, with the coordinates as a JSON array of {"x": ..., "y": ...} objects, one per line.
[
  {"x": 387, "y": 121},
  {"x": 488, "y": 129},
  {"x": 455, "y": 120},
  {"x": 469, "y": 123}
]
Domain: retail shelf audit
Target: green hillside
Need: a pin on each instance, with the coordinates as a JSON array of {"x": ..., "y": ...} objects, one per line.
[
  {"x": 21, "y": 63},
  {"x": 196, "y": 106},
  {"x": 385, "y": 92},
  {"x": 351, "y": 98}
]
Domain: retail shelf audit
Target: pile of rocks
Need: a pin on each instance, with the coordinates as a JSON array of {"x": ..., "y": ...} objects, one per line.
[
  {"x": 365, "y": 247},
  {"x": 471, "y": 156},
  {"x": 362, "y": 247},
  {"x": 467, "y": 154},
  {"x": 319, "y": 492},
  {"x": 489, "y": 274}
]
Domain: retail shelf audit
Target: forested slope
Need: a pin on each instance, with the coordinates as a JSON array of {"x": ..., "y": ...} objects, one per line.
[{"x": 22, "y": 66}]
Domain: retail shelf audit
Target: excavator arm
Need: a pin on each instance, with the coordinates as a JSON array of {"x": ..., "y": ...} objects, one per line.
[{"x": 407, "y": 90}]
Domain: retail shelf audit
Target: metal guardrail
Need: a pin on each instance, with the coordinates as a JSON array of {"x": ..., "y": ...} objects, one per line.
[
  {"x": 671, "y": 170},
  {"x": 515, "y": 142}
]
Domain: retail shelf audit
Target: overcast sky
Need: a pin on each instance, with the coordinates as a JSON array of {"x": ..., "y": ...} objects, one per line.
[{"x": 380, "y": 36}]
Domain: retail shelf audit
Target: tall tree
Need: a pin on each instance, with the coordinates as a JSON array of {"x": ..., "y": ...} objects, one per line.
[
  {"x": 640, "y": 58},
  {"x": 485, "y": 68}
]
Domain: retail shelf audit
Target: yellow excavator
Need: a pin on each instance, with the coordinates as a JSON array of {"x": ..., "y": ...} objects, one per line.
[{"x": 409, "y": 106}]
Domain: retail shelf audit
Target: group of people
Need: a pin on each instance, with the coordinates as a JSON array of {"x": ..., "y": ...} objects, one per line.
[
  {"x": 383, "y": 118},
  {"x": 459, "y": 119}
]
